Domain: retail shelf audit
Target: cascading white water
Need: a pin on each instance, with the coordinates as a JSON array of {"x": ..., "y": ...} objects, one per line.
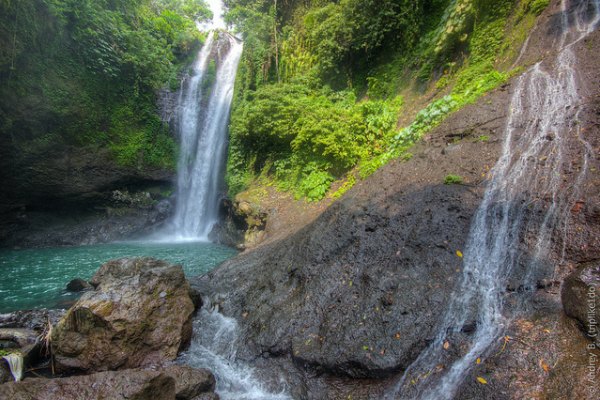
[
  {"x": 527, "y": 176},
  {"x": 202, "y": 124},
  {"x": 15, "y": 363},
  {"x": 214, "y": 347}
]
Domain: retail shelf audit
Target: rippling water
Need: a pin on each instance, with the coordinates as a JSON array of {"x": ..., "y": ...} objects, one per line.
[{"x": 36, "y": 278}]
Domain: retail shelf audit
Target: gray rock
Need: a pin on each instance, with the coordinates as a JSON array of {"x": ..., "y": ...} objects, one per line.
[
  {"x": 357, "y": 293},
  {"x": 5, "y": 375},
  {"x": 78, "y": 285},
  {"x": 581, "y": 299},
  {"x": 191, "y": 382},
  {"x": 31, "y": 319}
]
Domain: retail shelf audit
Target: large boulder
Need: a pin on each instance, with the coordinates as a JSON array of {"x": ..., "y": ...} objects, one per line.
[
  {"x": 581, "y": 299},
  {"x": 78, "y": 285},
  {"x": 360, "y": 291},
  {"x": 139, "y": 314}
]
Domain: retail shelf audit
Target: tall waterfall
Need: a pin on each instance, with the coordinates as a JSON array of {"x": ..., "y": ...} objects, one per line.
[
  {"x": 204, "y": 106},
  {"x": 525, "y": 181}
]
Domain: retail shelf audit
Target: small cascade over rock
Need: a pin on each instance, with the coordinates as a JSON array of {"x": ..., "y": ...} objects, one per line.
[
  {"x": 15, "y": 363},
  {"x": 214, "y": 346},
  {"x": 525, "y": 205}
]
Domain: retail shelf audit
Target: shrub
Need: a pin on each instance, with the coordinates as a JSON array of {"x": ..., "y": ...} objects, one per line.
[{"x": 453, "y": 180}]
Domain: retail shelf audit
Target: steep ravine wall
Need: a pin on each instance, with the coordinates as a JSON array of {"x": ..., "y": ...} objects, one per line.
[{"x": 348, "y": 302}]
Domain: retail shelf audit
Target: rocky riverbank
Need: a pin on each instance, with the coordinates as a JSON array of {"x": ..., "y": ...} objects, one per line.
[{"x": 118, "y": 341}]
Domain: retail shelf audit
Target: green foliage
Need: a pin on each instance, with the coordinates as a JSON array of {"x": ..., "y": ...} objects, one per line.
[
  {"x": 534, "y": 7},
  {"x": 315, "y": 184},
  {"x": 289, "y": 125},
  {"x": 453, "y": 180},
  {"x": 209, "y": 77},
  {"x": 368, "y": 167},
  {"x": 427, "y": 119},
  {"x": 86, "y": 73},
  {"x": 6, "y": 352},
  {"x": 331, "y": 40},
  {"x": 305, "y": 137},
  {"x": 146, "y": 143}
]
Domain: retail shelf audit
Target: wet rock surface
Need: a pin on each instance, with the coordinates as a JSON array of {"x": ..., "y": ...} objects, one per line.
[
  {"x": 138, "y": 315},
  {"x": 64, "y": 196},
  {"x": 114, "y": 215},
  {"x": 191, "y": 382},
  {"x": 78, "y": 285},
  {"x": 581, "y": 299},
  {"x": 359, "y": 292},
  {"x": 242, "y": 224},
  {"x": 5, "y": 375},
  {"x": 31, "y": 319},
  {"x": 173, "y": 382}
]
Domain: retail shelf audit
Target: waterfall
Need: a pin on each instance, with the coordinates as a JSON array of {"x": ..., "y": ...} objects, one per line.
[
  {"x": 203, "y": 116},
  {"x": 525, "y": 181},
  {"x": 15, "y": 363}
]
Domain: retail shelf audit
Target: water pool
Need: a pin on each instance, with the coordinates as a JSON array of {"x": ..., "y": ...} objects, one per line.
[{"x": 36, "y": 278}]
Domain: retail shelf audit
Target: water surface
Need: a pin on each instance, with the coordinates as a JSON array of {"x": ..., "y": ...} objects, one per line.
[{"x": 36, "y": 278}]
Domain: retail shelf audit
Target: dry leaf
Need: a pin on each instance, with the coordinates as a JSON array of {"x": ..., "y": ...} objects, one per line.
[
  {"x": 481, "y": 380},
  {"x": 478, "y": 361},
  {"x": 544, "y": 366},
  {"x": 446, "y": 345}
]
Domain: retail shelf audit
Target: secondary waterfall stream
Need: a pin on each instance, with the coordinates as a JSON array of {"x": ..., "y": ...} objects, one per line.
[{"x": 542, "y": 123}]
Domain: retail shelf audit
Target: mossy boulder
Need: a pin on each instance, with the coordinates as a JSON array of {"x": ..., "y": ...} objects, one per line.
[{"x": 138, "y": 315}]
